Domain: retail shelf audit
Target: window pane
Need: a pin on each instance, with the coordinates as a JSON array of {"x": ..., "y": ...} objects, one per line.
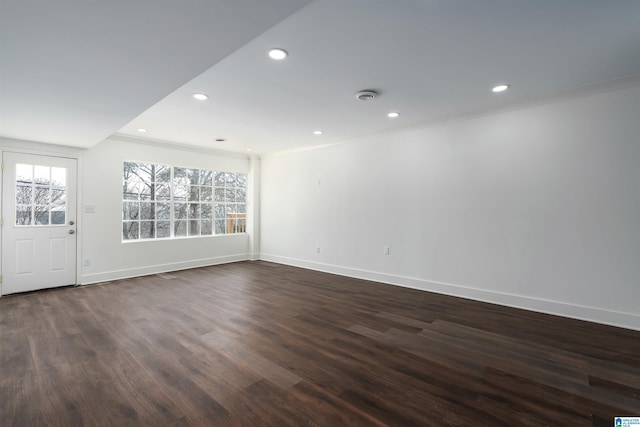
[
  {"x": 130, "y": 171},
  {"x": 241, "y": 195},
  {"x": 147, "y": 210},
  {"x": 130, "y": 210},
  {"x": 230, "y": 179},
  {"x": 163, "y": 211},
  {"x": 219, "y": 195},
  {"x": 194, "y": 228},
  {"x": 145, "y": 191},
  {"x": 219, "y": 179},
  {"x": 23, "y": 194},
  {"x": 180, "y": 211},
  {"x": 59, "y": 177},
  {"x": 220, "y": 212},
  {"x": 230, "y": 209},
  {"x": 231, "y": 226},
  {"x": 241, "y": 180},
  {"x": 194, "y": 211},
  {"x": 163, "y": 192},
  {"x": 163, "y": 173},
  {"x": 205, "y": 194},
  {"x": 194, "y": 176},
  {"x": 230, "y": 195},
  {"x": 241, "y": 208},
  {"x": 180, "y": 192},
  {"x": 180, "y": 228},
  {"x": 194, "y": 193},
  {"x": 163, "y": 229},
  {"x": 131, "y": 190},
  {"x": 24, "y": 173},
  {"x": 220, "y": 226},
  {"x": 206, "y": 228},
  {"x": 42, "y": 174},
  {"x": 146, "y": 172},
  {"x": 180, "y": 176},
  {"x": 129, "y": 230},
  {"x": 241, "y": 224},
  {"x": 205, "y": 211},
  {"x": 147, "y": 230},
  {"x": 206, "y": 177}
]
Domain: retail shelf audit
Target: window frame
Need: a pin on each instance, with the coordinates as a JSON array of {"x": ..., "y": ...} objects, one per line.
[{"x": 191, "y": 202}]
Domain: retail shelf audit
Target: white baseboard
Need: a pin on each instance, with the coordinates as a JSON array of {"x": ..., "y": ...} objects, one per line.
[
  {"x": 591, "y": 314},
  {"x": 87, "y": 279}
]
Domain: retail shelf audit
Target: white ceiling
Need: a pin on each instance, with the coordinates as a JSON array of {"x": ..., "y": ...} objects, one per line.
[
  {"x": 74, "y": 75},
  {"x": 73, "y": 72}
]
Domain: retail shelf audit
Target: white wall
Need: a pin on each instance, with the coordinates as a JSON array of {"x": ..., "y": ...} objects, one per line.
[
  {"x": 536, "y": 208},
  {"x": 100, "y": 232}
]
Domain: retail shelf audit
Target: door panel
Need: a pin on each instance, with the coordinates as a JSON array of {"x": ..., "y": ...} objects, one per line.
[
  {"x": 39, "y": 213},
  {"x": 24, "y": 256}
]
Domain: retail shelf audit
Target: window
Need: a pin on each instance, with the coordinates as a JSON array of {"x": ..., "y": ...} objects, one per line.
[
  {"x": 230, "y": 202},
  {"x": 161, "y": 201},
  {"x": 41, "y": 195}
]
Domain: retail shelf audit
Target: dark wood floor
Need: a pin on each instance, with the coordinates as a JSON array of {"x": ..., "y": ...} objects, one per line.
[{"x": 259, "y": 344}]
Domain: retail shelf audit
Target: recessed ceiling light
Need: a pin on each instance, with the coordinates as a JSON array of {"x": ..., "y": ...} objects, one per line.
[
  {"x": 200, "y": 96},
  {"x": 501, "y": 88},
  {"x": 317, "y": 132},
  {"x": 249, "y": 149},
  {"x": 393, "y": 115},
  {"x": 278, "y": 54},
  {"x": 141, "y": 130},
  {"x": 220, "y": 140}
]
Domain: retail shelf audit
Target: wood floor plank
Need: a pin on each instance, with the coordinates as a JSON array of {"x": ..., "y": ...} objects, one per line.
[{"x": 255, "y": 362}]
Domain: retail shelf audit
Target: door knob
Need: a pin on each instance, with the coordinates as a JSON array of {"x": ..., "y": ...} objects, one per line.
[
  {"x": 72, "y": 231},
  {"x": 71, "y": 222}
]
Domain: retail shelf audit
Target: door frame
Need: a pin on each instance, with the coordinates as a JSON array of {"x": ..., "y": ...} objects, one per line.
[{"x": 18, "y": 147}]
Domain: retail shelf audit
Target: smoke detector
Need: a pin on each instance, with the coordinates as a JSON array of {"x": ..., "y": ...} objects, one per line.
[{"x": 366, "y": 95}]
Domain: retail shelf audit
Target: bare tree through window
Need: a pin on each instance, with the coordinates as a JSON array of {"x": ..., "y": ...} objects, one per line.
[
  {"x": 161, "y": 201},
  {"x": 40, "y": 195}
]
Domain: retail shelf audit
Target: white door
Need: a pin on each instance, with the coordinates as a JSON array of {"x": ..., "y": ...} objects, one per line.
[{"x": 38, "y": 227}]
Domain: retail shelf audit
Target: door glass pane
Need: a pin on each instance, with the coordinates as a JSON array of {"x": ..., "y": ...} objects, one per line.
[
  {"x": 23, "y": 194},
  {"x": 59, "y": 177},
  {"x": 41, "y": 215},
  {"x": 58, "y": 197},
  {"x": 24, "y": 173},
  {"x": 23, "y": 215},
  {"x": 40, "y": 195},
  {"x": 58, "y": 216},
  {"x": 42, "y": 174}
]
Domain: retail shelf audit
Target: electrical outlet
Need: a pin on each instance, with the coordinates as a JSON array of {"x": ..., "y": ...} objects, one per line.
[
  {"x": 86, "y": 262},
  {"x": 386, "y": 250},
  {"x": 317, "y": 249}
]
